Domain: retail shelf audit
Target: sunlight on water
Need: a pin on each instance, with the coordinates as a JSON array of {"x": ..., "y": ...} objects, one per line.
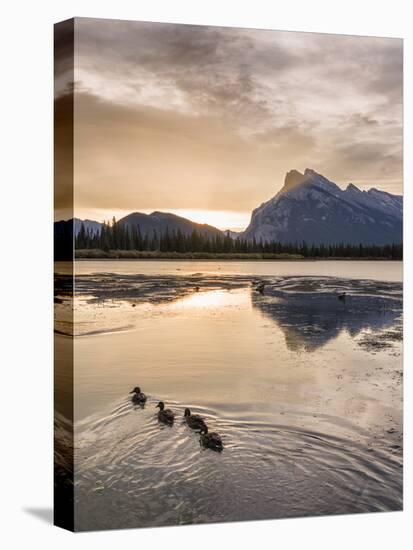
[
  {"x": 305, "y": 390},
  {"x": 210, "y": 300}
]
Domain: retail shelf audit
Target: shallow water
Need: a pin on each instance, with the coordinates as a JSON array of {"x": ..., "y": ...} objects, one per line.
[
  {"x": 376, "y": 270},
  {"x": 305, "y": 389}
]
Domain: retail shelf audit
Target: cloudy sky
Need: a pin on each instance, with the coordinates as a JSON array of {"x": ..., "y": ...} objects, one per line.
[{"x": 206, "y": 121}]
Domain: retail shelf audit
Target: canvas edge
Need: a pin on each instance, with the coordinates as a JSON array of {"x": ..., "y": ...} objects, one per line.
[{"x": 63, "y": 512}]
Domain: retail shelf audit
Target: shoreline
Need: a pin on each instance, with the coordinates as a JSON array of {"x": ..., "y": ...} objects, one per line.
[
  {"x": 92, "y": 255},
  {"x": 246, "y": 260}
]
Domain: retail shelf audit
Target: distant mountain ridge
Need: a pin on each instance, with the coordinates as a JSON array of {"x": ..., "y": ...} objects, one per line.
[
  {"x": 162, "y": 221},
  {"x": 148, "y": 223},
  {"x": 308, "y": 207},
  {"x": 311, "y": 208}
]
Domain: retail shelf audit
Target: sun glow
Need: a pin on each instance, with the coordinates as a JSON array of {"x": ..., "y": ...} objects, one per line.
[{"x": 222, "y": 219}]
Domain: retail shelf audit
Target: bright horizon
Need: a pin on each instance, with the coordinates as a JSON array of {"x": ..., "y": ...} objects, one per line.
[
  {"x": 205, "y": 121},
  {"x": 221, "y": 219}
]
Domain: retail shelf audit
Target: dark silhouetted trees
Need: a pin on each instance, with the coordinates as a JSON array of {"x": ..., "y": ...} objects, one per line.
[{"x": 115, "y": 236}]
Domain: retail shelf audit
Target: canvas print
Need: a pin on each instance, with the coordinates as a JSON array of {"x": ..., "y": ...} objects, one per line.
[{"x": 228, "y": 274}]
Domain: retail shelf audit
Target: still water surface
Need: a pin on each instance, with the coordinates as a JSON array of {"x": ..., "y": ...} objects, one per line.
[
  {"x": 305, "y": 390},
  {"x": 377, "y": 270}
]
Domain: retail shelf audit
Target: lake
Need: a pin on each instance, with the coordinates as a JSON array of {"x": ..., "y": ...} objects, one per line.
[
  {"x": 305, "y": 389},
  {"x": 377, "y": 270}
]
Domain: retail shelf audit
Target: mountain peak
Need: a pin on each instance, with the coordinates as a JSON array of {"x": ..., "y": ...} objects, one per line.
[
  {"x": 310, "y": 172},
  {"x": 314, "y": 209},
  {"x": 293, "y": 178},
  {"x": 158, "y": 213},
  {"x": 161, "y": 221}
]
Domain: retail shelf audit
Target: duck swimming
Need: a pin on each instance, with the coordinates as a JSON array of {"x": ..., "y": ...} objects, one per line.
[
  {"x": 166, "y": 416},
  {"x": 211, "y": 440},
  {"x": 260, "y": 287},
  {"x": 342, "y": 297},
  {"x": 194, "y": 421},
  {"x": 138, "y": 397}
]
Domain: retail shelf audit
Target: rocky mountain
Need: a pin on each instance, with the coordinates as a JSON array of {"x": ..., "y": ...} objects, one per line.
[
  {"x": 313, "y": 209},
  {"x": 309, "y": 208},
  {"x": 161, "y": 221}
]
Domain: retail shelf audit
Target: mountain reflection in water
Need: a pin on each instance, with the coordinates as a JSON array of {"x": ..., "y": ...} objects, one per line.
[
  {"x": 312, "y": 317},
  {"x": 304, "y": 433}
]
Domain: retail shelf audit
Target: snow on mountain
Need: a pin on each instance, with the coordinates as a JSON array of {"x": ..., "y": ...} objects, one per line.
[{"x": 314, "y": 209}]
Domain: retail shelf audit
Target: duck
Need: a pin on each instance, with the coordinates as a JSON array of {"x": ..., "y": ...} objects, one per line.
[
  {"x": 166, "y": 416},
  {"x": 138, "y": 397},
  {"x": 342, "y": 297},
  {"x": 260, "y": 287},
  {"x": 194, "y": 421},
  {"x": 211, "y": 440}
]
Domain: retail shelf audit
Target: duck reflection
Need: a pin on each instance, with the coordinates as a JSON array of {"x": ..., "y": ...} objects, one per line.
[{"x": 310, "y": 320}]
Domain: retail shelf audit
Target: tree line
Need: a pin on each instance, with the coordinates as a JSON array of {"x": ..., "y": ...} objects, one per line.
[{"x": 115, "y": 236}]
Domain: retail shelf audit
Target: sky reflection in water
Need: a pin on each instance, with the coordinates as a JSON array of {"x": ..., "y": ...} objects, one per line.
[{"x": 282, "y": 376}]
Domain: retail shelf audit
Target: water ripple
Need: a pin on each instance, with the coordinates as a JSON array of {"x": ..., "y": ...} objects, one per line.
[{"x": 143, "y": 473}]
